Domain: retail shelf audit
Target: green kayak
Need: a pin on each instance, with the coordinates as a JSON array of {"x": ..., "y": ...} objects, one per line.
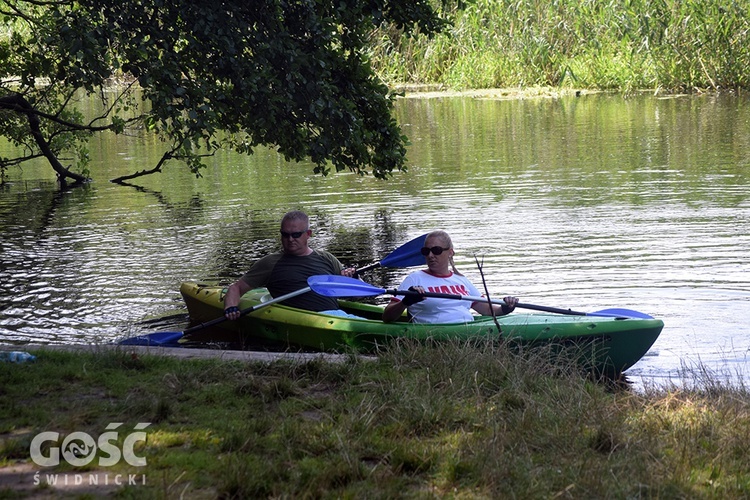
[{"x": 608, "y": 345}]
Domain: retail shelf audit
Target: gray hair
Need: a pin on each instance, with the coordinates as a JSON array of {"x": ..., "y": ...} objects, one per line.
[{"x": 296, "y": 215}]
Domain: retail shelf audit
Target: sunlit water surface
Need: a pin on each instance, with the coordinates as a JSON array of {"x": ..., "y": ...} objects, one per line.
[{"x": 588, "y": 203}]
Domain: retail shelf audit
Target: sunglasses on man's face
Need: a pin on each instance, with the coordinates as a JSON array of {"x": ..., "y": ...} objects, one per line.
[
  {"x": 294, "y": 235},
  {"x": 435, "y": 250}
]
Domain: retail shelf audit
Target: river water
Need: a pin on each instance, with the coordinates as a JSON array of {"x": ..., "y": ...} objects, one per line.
[{"x": 585, "y": 202}]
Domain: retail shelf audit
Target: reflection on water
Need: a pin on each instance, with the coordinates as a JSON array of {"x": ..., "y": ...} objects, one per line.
[{"x": 587, "y": 203}]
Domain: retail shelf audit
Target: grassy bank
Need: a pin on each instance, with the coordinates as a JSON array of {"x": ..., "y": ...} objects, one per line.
[
  {"x": 616, "y": 44},
  {"x": 457, "y": 420}
]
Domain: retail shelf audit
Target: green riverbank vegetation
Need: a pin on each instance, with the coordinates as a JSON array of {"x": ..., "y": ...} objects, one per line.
[
  {"x": 623, "y": 45},
  {"x": 417, "y": 421}
]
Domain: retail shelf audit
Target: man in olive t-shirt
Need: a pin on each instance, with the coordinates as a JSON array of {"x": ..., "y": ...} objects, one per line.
[{"x": 287, "y": 271}]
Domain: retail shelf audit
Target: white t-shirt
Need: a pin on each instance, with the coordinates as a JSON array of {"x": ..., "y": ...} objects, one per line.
[{"x": 435, "y": 310}]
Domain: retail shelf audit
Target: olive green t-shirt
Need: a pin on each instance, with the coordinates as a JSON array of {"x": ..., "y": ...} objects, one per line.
[{"x": 282, "y": 274}]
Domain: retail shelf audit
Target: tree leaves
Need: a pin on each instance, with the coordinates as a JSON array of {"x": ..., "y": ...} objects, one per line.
[{"x": 290, "y": 74}]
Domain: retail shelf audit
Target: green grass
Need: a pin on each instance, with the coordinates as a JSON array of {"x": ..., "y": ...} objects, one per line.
[
  {"x": 621, "y": 45},
  {"x": 420, "y": 421}
]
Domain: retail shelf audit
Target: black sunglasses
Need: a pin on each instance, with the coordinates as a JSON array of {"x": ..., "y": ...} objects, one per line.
[
  {"x": 435, "y": 250},
  {"x": 294, "y": 235}
]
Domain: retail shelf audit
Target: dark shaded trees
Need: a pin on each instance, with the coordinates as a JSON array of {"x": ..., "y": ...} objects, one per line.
[{"x": 203, "y": 76}]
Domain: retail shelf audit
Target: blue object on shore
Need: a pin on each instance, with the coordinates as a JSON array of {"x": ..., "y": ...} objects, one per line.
[{"x": 16, "y": 356}]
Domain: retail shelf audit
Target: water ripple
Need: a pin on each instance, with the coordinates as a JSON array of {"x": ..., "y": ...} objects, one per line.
[{"x": 587, "y": 225}]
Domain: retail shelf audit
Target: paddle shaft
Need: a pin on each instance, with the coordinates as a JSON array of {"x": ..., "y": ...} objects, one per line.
[
  {"x": 367, "y": 268},
  {"x": 341, "y": 286},
  {"x": 167, "y": 338},
  {"x": 247, "y": 310},
  {"x": 471, "y": 298}
]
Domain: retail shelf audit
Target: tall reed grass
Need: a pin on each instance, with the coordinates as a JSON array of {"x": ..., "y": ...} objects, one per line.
[{"x": 676, "y": 45}]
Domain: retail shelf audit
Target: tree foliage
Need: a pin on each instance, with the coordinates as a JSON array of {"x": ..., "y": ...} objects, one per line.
[{"x": 203, "y": 76}]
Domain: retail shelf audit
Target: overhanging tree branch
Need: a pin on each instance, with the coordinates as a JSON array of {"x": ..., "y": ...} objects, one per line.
[
  {"x": 288, "y": 74},
  {"x": 19, "y": 104},
  {"x": 166, "y": 156}
]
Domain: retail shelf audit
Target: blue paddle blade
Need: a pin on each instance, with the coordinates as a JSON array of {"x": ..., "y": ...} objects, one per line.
[
  {"x": 330, "y": 285},
  {"x": 625, "y": 313},
  {"x": 407, "y": 255},
  {"x": 158, "y": 339}
]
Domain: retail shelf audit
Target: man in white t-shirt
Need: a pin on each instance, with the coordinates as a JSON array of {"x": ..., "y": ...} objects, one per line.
[{"x": 441, "y": 276}]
